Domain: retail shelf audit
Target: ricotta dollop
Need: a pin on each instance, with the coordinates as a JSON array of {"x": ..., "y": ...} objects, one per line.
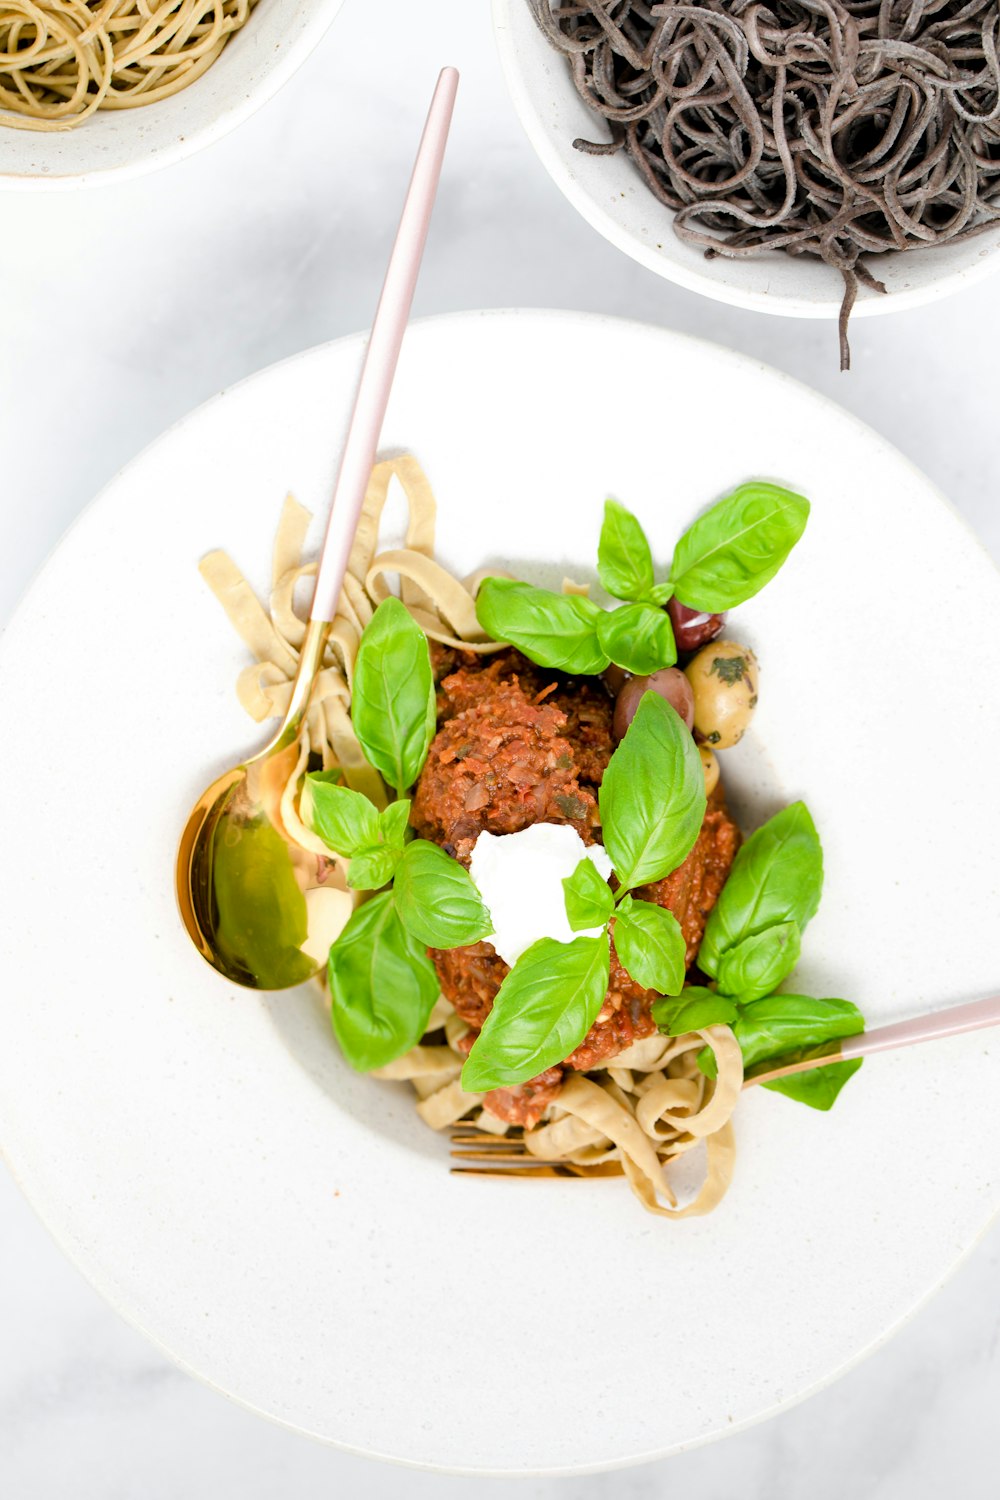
[{"x": 520, "y": 875}]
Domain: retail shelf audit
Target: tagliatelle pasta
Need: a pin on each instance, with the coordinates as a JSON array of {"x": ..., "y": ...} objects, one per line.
[
  {"x": 645, "y": 1107},
  {"x": 443, "y": 606},
  {"x": 650, "y": 1105}
]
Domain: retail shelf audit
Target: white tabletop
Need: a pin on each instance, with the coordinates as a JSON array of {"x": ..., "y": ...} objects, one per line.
[{"x": 126, "y": 306}]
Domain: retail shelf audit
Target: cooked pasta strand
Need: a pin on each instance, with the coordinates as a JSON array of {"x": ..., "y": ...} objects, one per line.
[{"x": 62, "y": 60}]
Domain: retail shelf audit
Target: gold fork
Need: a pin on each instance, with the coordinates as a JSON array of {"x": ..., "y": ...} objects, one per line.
[{"x": 480, "y": 1153}]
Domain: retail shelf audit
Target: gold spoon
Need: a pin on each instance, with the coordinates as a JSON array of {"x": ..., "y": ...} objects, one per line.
[{"x": 256, "y": 905}]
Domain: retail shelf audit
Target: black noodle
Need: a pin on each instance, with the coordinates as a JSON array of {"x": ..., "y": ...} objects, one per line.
[{"x": 836, "y": 128}]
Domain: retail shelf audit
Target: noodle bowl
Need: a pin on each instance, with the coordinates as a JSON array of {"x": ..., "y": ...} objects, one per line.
[{"x": 62, "y": 60}]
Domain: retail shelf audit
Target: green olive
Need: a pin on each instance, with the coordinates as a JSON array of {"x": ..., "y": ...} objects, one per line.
[
  {"x": 710, "y": 765},
  {"x": 723, "y": 678}
]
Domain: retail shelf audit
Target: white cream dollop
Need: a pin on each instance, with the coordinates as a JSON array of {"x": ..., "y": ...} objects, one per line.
[{"x": 520, "y": 875}]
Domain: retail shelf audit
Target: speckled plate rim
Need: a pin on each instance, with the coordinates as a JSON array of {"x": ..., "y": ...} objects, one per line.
[
  {"x": 307, "y": 38},
  {"x": 92, "y": 1268}
]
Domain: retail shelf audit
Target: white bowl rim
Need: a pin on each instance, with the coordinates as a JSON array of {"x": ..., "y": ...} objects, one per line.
[
  {"x": 228, "y": 118},
  {"x": 95, "y": 1273},
  {"x": 778, "y": 304}
]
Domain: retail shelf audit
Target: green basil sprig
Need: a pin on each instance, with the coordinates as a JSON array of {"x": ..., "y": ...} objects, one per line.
[
  {"x": 554, "y": 630},
  {"x": 723, "y": 559},
  {"x": 737, "y": 546},
  {"x": 624, "y": 559},
  {"x": 344, "y": 819},
  {"x": 650, "y": 944},
  {"x": 382, "y": 984},
  {"x": 652, "y": 795},
  {"x": 777, "y": 877},
  {"x": 372, "y": 841},
  {"x": 437, "y": 900},
  {"x": 544, "y": 1009},
  {"x": 692, "y": 1010},
  {"x": 787, "y": 1026},
  {"x": 393, "y": 707},
  {"x": 752, "y": 943},
  {"x": 589, "y": 899},
  {"x": 756, "y": 966},
  {"x": 638, "y": 637}
]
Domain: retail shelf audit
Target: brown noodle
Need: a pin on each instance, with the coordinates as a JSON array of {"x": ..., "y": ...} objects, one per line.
[
  {"x": 646, "y": 1107},
  {"x": 835, "y": 128}
]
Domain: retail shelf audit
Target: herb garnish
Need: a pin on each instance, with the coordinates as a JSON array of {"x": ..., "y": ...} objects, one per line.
[
  {"x": 392, "y": 698},
  {"x": 722, "y": 560},
  {"x": 652, "y": 803},
  {"x": 382, "y": 982},
  {"x": 751, "y": 945},
  {"x": 545, "y": 1007}
]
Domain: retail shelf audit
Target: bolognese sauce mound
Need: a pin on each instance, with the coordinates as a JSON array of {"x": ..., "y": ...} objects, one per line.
[{"x": 516, "y": 746}]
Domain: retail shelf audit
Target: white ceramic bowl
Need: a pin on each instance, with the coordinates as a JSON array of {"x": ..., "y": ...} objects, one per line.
[
  {"x": 252, "y": 67},
  {"x": 609, "y": 193},
  {"x": 288, "y": 1229}
]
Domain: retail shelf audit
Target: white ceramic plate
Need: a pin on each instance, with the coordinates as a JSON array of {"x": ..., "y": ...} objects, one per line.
[
  {"x": 609, "y": 193},
  {"x": 252, "y": 67},
  {"x": 289, "y": 1231}
]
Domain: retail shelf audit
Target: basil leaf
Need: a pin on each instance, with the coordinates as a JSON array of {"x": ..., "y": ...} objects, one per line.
[
  {"x": 382, "y": 984},
  {"x": 737, "y": 546},
  {"x": 554, "y": 630},
  {"x": 660, "y": 593},
  {"x": 757, "y": 966},
  {"x": 782, "y": 1023},
  {"x": 624, "y": 561},
  {"x": 589, "y": 900},
  {"x": 372, "y": 868},
  {"x": 347, "y": 821},
  {"x": 776, "y": 877},
  {"x": 819, "y": 1087},
  {"x": 638, "y": 637},
  {"x": 649, "y": 942},
  {"x": 544, "y": 1009},
  {"x": 436, "y": 899},
  {"x": 785, "y": 1027},
  {"x": 693, "y": 1010},
  {"x": 393, "y": 705},
  {"x": 652, "y": 796},
  {"x": 393, "y": 822},
  {"x": 262, "y": 919}
]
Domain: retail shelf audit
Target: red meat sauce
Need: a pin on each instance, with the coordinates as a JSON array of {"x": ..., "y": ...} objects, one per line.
[{"x": 515, "y": 746}]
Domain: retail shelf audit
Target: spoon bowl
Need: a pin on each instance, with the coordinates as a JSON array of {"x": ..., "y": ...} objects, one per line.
[{"x": 255, "y": 903}]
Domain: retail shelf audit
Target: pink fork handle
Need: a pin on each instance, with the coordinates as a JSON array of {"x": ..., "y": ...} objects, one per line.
[
  {"x": 927, "y": 1028},
  {"x": 383, "y": 350}
]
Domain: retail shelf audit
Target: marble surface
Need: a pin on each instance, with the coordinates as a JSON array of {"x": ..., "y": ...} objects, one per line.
[{"x": 124, "y": 307}]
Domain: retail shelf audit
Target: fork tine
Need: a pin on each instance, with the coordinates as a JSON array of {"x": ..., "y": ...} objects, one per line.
[
  {"x": 480, "y": 1153},
  {"x": 521, "y": 1171},
  {"x": 524, "y": 1168}
]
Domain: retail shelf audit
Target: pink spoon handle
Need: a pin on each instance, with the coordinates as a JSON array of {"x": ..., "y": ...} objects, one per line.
[
  {"x": 382, "y": 354},
  {"x": 927, "y": 1028}
]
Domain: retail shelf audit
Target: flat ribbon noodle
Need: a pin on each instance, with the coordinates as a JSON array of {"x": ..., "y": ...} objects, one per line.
[
  {"x": 650, "y": 1105},
  {"x": 441, "y": 604}
]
